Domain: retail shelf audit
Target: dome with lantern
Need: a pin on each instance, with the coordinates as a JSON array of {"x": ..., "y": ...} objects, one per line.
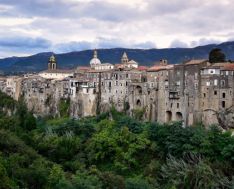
[{"x": 95, "y": 61}]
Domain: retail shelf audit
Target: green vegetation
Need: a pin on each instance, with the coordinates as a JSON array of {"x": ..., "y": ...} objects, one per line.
[
  {"x": 216, "y": 56},
  {"x": 64, "y": 107},
  {"x": 110, "y": 151}
]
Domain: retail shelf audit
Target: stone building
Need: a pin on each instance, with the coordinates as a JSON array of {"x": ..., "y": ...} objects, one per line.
[{"x": 191, "y": 92}]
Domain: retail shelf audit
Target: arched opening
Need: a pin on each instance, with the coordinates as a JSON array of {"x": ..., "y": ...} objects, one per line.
[
  {"x": 168, "y": 116},
  {"x": 138, "y": 103},
  {"x": 179, "y": 116},
  {"x": 139, "y": 90},
  {"x": 53, "y": 66}
]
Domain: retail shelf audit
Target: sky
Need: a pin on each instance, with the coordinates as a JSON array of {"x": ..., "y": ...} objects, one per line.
[{"x": 32, "y": 26}]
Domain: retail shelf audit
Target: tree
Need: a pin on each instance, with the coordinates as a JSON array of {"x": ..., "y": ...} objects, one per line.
[
  {"x": 191, "y": 172},
  {"x": 224, "y": 117},
  {"x": 56, "y": 174},
  {"x": 216, "y": 55}
]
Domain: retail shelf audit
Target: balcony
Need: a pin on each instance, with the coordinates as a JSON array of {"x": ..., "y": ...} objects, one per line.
[{"x": 174, "y": 95}]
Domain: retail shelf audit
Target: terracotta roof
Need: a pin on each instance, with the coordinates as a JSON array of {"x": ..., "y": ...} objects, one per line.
[
  {"x": 216, "y": 65},
  {"x": 192, "y": 62},
  {"x": 228, "y": 67},
  {"x": 159, "y": 68},
  {"x": 142, "y": 68}
]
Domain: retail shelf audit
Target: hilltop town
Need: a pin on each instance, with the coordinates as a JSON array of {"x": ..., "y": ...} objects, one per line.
[{"x": 192, "y": 92}]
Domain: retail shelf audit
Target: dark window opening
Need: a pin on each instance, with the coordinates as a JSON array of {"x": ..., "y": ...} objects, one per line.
[
  {"x": 223, "y": 104},
  {"x": 215, "y": 92},
  {"x": 224, "y": 95}
]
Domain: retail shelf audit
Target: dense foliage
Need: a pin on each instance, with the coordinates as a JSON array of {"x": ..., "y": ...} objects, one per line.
[
  {"x": 110, "y": 151},
  {"x": 216, "y": 56}
]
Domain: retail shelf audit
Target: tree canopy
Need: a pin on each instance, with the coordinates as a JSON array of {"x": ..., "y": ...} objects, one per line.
[
  {"x": 216, "y": 55},
  {"x": 111, "y": 151}
]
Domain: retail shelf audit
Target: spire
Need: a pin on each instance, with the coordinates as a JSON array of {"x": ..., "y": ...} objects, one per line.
[
  {"x": 124, "y": 58},
  {"x": 125, "y": 55},
  {"x": 95, "y": 55}
]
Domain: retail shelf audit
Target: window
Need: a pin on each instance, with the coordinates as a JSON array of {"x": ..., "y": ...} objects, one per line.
[
  {"x": 204, "y": 95},
  {"x": 178, "y": 83},
  {"x": 224, "y": 95},
  {"x": 196, "y": 74},
  {"x": 178, "y": 105},
  {"x": 223, "y": 104},
  {"x": 171, "y": 105},
  {"x": 215, "y": 82},
  {"x": 222, "y": 83},
  {"x": 207, "y": 83},
  {"x": 215, "y": 92}
]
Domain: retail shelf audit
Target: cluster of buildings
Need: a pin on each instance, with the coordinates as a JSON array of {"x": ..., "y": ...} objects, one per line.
[{"x": 192, "y": 92}]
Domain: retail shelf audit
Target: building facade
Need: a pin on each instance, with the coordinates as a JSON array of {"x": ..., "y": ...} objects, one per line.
[{"x": 191, "y": 92}]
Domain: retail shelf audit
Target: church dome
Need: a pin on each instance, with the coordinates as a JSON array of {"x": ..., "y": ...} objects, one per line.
[{"x": 95, "y": 60}]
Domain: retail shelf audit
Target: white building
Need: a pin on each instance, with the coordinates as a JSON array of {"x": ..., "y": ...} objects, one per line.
[
  {"x": 54, "y": 73},
  {"x": 96, "y": 64}
]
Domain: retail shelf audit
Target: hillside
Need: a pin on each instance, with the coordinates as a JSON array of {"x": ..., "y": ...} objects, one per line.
[
  {"x": 109, "y": 151},
  {"x": 38, "y": 62}
]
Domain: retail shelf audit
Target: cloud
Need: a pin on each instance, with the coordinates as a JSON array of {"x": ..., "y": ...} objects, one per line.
[
  {"x": 204, "y": 41},
  {"x": 23, "y": 45},
  {"x": 68, "y": 25},
  {"x": 178, "y": 44},
  {"x": 100, "y": 43},
  {"x": 72, "y": 46}
]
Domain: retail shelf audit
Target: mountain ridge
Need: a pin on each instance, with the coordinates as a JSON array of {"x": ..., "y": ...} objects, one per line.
[{"x": 146, "y": 57}]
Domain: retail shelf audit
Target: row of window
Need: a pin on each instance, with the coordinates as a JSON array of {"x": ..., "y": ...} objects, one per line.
[
  {"x": 215, "y": 83},
  {"x": 215, "y": 93}
]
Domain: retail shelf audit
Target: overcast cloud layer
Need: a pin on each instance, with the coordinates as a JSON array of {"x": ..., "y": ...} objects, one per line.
[{"x": 31, "y": 26}]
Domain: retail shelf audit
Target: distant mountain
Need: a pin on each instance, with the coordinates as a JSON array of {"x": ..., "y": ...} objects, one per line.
[{"x": 147, "y": 57}]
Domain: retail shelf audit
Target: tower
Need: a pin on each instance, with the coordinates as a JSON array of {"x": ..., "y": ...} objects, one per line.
[
  {"x": 52, "y": 64},
  {"x": 124, "y": 59}
]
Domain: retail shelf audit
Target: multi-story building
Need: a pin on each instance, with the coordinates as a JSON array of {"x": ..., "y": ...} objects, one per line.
[{"x": 194, "y": 91}]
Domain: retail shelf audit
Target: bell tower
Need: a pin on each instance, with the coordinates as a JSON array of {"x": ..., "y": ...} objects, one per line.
[
  {"x": 52, "y": 64},
  {"x": 124, "y": 59}
]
